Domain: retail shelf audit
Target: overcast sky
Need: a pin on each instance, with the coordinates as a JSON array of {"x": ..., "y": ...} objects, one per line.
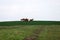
[{"x": 36, "y": 9}]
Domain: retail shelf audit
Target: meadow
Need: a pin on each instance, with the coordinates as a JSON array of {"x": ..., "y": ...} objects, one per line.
[
  {"x": 30, "y": 32},
  {"x": 12, "y": 23}
]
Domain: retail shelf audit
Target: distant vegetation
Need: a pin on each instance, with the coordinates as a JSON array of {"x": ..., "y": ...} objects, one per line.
[{"x": 12, "y": 23}]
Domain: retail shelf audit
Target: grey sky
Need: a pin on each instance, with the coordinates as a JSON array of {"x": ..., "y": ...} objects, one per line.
[{"x": 36, "y": 9}]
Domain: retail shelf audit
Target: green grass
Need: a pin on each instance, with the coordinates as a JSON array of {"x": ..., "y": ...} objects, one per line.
[
  {"x": 16, "y": 33},
  {"x": 12, "y": 23},
  {"x": 51, "y": 32},
  {"x": 19, "y": 32}
]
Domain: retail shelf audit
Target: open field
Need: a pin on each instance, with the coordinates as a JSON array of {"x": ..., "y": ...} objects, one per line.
[
  {"x": 51, "y": 32},
  {"x": 30, "y": 32},
  {"x": 12, "y": 23}
]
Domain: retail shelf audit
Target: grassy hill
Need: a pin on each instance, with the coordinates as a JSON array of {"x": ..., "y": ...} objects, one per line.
[
  {"x": 37, "y": 30},
  {"x": 12, "y": 23}
]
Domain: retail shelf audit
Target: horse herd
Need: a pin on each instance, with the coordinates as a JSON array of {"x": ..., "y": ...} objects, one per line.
[{"x": 26, "y": 19}]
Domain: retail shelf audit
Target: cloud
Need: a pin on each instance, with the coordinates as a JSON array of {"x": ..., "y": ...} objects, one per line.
[{"x": 37, "y": 9}]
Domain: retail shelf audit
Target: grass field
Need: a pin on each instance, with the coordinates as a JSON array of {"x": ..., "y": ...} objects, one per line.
[
  {"x": 51, "y": 32},
  {"x": 12, "y": 23},
  {"x": 30, "y": 32}
]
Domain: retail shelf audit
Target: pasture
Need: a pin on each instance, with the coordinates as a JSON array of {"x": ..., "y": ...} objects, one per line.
[
  {"x": 30, "y": 32},
  {"x": 13, "y": 23}
]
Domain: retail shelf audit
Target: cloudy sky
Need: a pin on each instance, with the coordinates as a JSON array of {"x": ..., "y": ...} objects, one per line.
[{"x": 36, "y": 9}]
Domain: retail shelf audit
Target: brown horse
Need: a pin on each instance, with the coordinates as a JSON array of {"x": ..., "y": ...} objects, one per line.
[
  {"x": 24, "y": 19},
  {"x": 31, "y": 19}
]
